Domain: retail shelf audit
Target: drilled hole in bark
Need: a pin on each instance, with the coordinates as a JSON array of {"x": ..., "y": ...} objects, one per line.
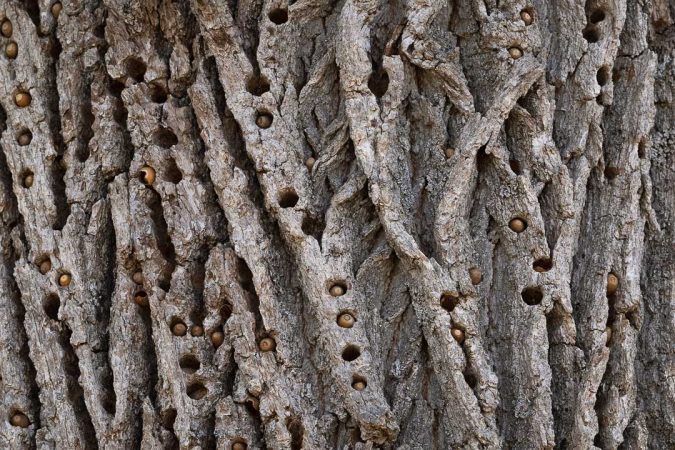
[
  {"x": 158, "y": 92},
  {"x": 257, "y": 85},
  {"x": 470, "y": 379},
  {"x": 378, "y": 83},
  {"x": 24, "y": 137},
  {"x": 278, "y": 16},
  {"x": 312, "y": 227},
  {"x": 27, "y": 179},
  {"x": 264, "y": 119},
  {"x": 532, "y": 295},
  {"x": 51, "y": 305},
  {"x": 239, "y": 444},
  {"x": 633, "y": 316},
  {"x": 44, "y": 264},
  {"x": 171, "y": 172},
  {"x": 189, "y": 363},
  {"x": 542, "y": 265},
  {"x": 351, "y": 352},
  {"x": 449, "y": 300},
  {"x": 597, "y": 16},
  {"x": 591, "y": 34},
  {"x": 295, "y": 428},
  {"x": 196, "y": 391},
  {"x": 515, "y": 166},
  {"x": 168, "y": 418},
  {"x": 115, "y": 87},
  {"x": 287, "y": 198},
  {"x": 108, "y": 402},
  {"x": 642, "y": 149},
  {"x": 337, "y": 288},
  {"x": 164, "y": 137},
  {"x": 135, "y": 68},
  {"x": 612, "y": 172},
  {"x": 603, "y": 75}
]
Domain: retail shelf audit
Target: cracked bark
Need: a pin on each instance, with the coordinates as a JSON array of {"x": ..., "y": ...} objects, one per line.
[{"x": 193, "y": 181}]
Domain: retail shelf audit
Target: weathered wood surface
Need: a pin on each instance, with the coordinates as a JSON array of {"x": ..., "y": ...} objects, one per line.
[{"x": 191, "y": 182}]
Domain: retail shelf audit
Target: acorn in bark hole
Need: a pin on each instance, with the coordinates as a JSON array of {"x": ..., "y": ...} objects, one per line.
[
  {"x": 137, "y": 277},
  {"x": 239, "y": 446},
  {"x": 11, "y": 50},
  {"x": 19, "y": 420},
  {"x": 346, "y": 320},
  {"x": 476, "y": 275},
  {"x": 28, "y": 180},
  {"x": 24, "y": 138},
  {"x": 65, "y": 279},
  {"x": 179, "y": 329},
  {"x": 449, "y": 152},
  {"x": 22, "y": 99},
  {"x": 526, "y": 16},
  {"x": 612, "y": 283},
  {"x": 309, "y": 163},
  {"x": 517, "y": 225},
  {"x": 515, "y": 52},
  {"x": 56, "y": 9},
  {"x": 267, "y": 345},
  {"x": 359, "y": 385},
  {"x": 264, "y": 120},
  {"x": 458, "y": 335},
  {"x": 197, "y": 330},
  {"x": 141, "y": 298},
  {"x": 6, "y": 28},
  {"x": 148, "y": 175},
  {"x": 337, "y": 290},
  {"x": 45, "y": 266},
  {"x": 217, "y": 338}
]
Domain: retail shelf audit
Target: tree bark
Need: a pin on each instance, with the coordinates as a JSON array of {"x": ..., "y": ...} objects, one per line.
[{"x": 359, "y": 224}]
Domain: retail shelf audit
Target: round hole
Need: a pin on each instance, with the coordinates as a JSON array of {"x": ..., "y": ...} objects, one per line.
[
  {"x": 171, "y": 171},
  {"x": 449, "y": 300},
  {"x": 612, "y": 172},
  {"x": 591, "y": 34},
  {"x": 532, "y": 295},
  {"x": 164, "y": 137},
  {"x": 267, "y": 345},
  {"x": 642, "y": 149},
  {"x": 542, "y": 265},
  {"x": 359, "y": 383},
  {"x": 288, "y": 198},
  {"x": 470, "y": 379},
  {"x": 458, "y": 335},
  {"x": 378, "y": 83},
  {"x": 597, "y": 16},
  {"x": 189, "y": 364},
  {"x": 135, "y": 68},
  {"x": 278, "y": 16},
  {"x": 157, "y": 92},
  {"x": 51, "y": 305},
  {"x": 527, "y": 16},
  {"x": 147, "y": 175},
  {"x": 515, "y": 166},
  {"x": 198, "y": 330},
  {"x": 264, "y": 119},
  {"x": 65, "y": 279},
  {"x": 515, "y": 52},
  {"x": 603, "y": 75},
  {"x": 338, "y": 288},
  {"x": 257, "y": 85},
  {"x": 11, "y": 50},
  {"x": 141, "y": 298},
  {"x": 6, "y": 28},
  {"x": 24, "y": 138},
  {"x": 351, "y": 352},
  {"x": 196, "y": 390}
]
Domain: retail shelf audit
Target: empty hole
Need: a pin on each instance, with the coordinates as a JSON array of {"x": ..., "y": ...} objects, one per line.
[
  {"x": 164, "y": 137},
  {"x": 51, "y": 305},
  {"x": 515, "y": 166},
  {"x": 351, "y": 352},
  {"x": 642, "y": 149},
  {"x": 116, "y": 87},
  {"x": 196, "y": 391},
  {"x": 288, "y": 198},
  {"x": 108, "y": 403},
  {"x": 591, "y": 34},
  {"x": 542, "y": 265},
  {"x": 597, "y": 16},
  {"x": 611, "y": 172},
  {"x": 158, "y": 93},
  {"x": 603, "y": 75},
  {"x": 378, "y": 83},
  {"x": 449, "y": 301},
  {"x": 135, "y": 68},
  {"x": 189, "y": 363},
  {"x": 171, "y": 172},
  {"x": 633, "y": 317},
  {"x": 532, "y": 295},
  {"x": 278, "y": 15},
  {"x": 257, "y": 85},
  {"x": 470, "y": 379},
  {"x": 168, "y": 418}
]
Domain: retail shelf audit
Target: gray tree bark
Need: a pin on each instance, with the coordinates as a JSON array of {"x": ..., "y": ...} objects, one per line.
[{"x": 361, "y": 224}]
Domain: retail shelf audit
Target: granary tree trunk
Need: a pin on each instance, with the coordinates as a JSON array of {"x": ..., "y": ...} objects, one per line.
[{"x": 354, "y": 224}]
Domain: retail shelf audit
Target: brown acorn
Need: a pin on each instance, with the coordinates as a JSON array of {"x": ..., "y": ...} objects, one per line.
[
  {"x": 239, "y": 446},
  {"x": 612, "y": 283},
  {"x": 359, "y": 385},
  {"x": 11, "y": 50},
  {"x": 267, "y": 345},
  {"x": 179, "y": 329},
  {"x": 458, "y": 335},
  {"x": 6, "y": 28},
  {"x": 346, "y": 320},
  {"x": 264, "y": 120},
  {"x": 526, "y": 16},
  {"x": 22, "y": 99},
  {"x": 141, "y": 298},
  {"x": 28, "y": 180},
  {"x": 217, "y": 338},
  {"x": 148, "y": 175},
  {"x": 56, "y": 9},
  {"x": 449, "y": 152},
  {"x": 515, "y": 52},
  {"x": 476, "y": 275},
  {"x": 197, "y": 330},
  {"x": 309, "y": 163},
  {"x": 137, "y": 277},
  {"x": 337, "y": 290},
  {"x": 517, "y": 225},
  {"x": 45, "y": 266},
  {"x": 65, "y": 279},
  {"x": 19, "y": 420}
]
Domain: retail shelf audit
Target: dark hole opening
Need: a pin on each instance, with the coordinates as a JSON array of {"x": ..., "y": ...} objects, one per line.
[
  {"x": 135, "y": 68},
  {"x": 189, "y": 363},
  {"x": 612, "y": 172},
  {"x": 278, "y": 16},
  {"x": 51, "y": 305},
  {"x": 164, "y": 137},
  {"x": 591, "y": 34},
  {"x": 470, "y": 379},
  {"x": 449, "y": 301},
  {"x": 597, "y": 16},
  {"x": 515, "y": 166},
  {"x": 196, "y": 391},
  {"x": 542, "y": 265},
  {"x": 288, "y": 198},
  {"x": 603, "y": 75},
  {"x": 158, "y": 93},
  {"x": 351, "y": 352},
  {"x": 257, "y": 85},
  {"x": 171, "y": 172},
  {"x": 378, "y": 83},
  {"x": 532, "y": 295},
  {"x": 359, "y": 381}
]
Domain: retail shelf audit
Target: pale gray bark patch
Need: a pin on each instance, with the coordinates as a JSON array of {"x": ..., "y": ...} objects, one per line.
[{"x": 194, "y": 180}]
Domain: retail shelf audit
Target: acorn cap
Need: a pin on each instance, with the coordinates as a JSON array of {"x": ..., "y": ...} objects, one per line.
[
  {"x": 264, "y": 120},
  {"x": 6, "y": 28},
  {"x": 515, "y": 52},
  {"x": 346, "y": 320},
  {"x": 458, "y": 335},
  {"x": 526, "y": 17},
  {"x": 336, "y": 290},
  {"x": 239, "y": 446},
  {"x": 65, "y": 279},
  {"x": 45, "y": 266},
  {"x": 217, "y": 338},
  {"x": 475, "y": 275},
  {"x": 11, "y": 50},
  {"x": 179, "y": 329},
  {"x": 267, "y": 344},
  {"x": 197, "y": 330},
  {"x": 19, "y": 420},
  {"x": 359, "y": 385}
]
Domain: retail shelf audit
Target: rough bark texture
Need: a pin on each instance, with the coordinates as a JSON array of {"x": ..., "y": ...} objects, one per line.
[{"x": 316, "y": 158}]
